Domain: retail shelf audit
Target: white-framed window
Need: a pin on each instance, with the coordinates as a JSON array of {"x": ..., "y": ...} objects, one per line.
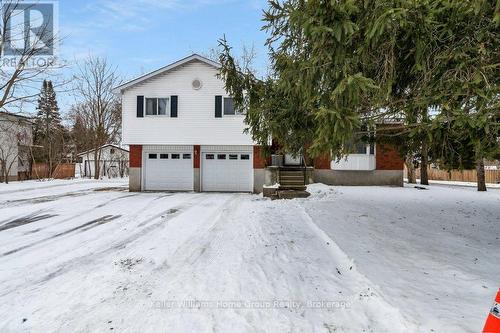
[
  {"x": 362, "y": 148},
  {"x": 229, "y": 108},
  {"x": 361, "y": 156},
  {"x": 157, "y": 106}
]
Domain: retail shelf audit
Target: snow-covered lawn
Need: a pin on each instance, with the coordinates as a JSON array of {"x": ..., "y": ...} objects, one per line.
[{"x": 88, "y": 256}]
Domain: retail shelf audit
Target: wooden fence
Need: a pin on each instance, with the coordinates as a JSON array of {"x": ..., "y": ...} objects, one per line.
[
  {"x": 62, "y": 171},
  {"x": 492, "y": 176}
]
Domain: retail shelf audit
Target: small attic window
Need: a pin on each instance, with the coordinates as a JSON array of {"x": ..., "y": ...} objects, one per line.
[{"x": 196, "y": 84}]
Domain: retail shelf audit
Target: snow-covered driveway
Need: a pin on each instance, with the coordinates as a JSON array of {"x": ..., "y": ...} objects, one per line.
[{"x": 87, "y": 256}]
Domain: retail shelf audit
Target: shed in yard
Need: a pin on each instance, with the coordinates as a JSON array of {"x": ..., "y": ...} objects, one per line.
[{"x": 113, "y": 162}]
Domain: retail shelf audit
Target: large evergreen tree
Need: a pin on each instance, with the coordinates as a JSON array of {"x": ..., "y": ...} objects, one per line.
[
  {"x": 49, "y": 132},
  {"x": 338, "y": 67}
]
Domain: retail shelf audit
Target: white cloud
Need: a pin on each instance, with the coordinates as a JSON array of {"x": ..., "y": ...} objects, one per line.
[{"x": 136, "y": 15}]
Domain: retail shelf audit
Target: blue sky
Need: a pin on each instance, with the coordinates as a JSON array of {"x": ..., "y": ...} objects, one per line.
[{"x": 138, "y": 36}]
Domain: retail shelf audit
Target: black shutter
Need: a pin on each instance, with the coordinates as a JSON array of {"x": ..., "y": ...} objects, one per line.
[
  {"x": 173, "y": 106},
  {"x": 218, "y": 106},
  {"x": 140, "y": 106}
]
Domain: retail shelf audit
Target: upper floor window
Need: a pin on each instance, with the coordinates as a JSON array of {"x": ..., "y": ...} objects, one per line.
[
  {"x": 156, "y": 106},
  {"x": 229, "y": 109}
]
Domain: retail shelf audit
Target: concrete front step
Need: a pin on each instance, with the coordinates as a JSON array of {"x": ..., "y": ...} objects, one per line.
[
  {"x": 292, "y": 194},
  {"x": 292, "y": 177},
  {"x": 285, "y": 192},
  {"x": 291, "y": 182},
  {"x": 292, "y": 187}
]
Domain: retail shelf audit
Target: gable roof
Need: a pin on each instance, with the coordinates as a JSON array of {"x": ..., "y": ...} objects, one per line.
[
  {"x": 29, "y": 119},
  {"x": 102, "y": 147},
  {"x": 165, "y": 69}
]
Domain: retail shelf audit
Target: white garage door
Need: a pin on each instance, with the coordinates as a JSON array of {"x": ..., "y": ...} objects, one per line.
[
  {"x": 227, "y": 172},
  {"x": 168, "y": 170}
]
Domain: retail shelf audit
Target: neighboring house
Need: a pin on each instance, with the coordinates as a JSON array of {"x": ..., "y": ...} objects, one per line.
[
  {"x": 184, "y": 134},
  {"x": 113, "y": 163},
  {"x": 16, "y": 139},
  {"x": 492, "y": 165}
]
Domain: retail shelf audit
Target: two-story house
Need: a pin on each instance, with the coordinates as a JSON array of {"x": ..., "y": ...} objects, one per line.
[{"x": 184, "y": 134}]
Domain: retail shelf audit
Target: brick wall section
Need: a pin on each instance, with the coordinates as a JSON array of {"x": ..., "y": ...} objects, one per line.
[
  {"x": 323, "y": 162},
  {"x": 135, "y": 156},
  {"x": 197, "y": 156},
  {"x": 259, "y": 162},
  {"x": 388, "y": 158}
]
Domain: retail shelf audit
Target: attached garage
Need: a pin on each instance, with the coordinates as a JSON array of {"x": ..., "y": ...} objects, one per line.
[
  {"x": 227, "y": 169},
  {"x": 168, "y": 168}
]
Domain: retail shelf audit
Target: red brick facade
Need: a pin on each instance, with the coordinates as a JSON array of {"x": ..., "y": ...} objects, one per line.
[
  {"x": 135, "y": 156},
  {"x": 259, "y": 162},
  {"x": 197, "y": 156},
  {"x": 322, "y": 162},
  {"x": 388, "y": 158}
]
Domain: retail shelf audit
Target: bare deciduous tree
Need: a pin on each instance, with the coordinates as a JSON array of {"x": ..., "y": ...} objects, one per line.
[
  {"x": 98, "y": 108},
  {"x": 20, "y": 72}
]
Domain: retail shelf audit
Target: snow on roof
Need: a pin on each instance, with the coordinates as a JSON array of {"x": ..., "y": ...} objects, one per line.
[
  {"x": 164, "y": 69},
  {"x": 16, "y": 115},
  {"x": 102, "y": 147}
]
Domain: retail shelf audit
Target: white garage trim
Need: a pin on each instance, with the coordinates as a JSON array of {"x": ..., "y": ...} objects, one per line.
[{"x": 162, "y": 172}]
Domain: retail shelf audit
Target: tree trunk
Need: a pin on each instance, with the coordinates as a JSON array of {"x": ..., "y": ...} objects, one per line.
[
  {"x": 6, "y": 172},
  {"x": 3, "y": 177},
  {"x": 49, "y": 160},
  {"x": 481, "y": 177},
  {"x": 424, "y": 176},
  {"x": 410, "y": 168},
  {"x": 97, "y": 163}
]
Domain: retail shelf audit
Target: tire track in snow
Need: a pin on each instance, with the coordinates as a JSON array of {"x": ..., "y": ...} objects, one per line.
[
  {"x": 50, "y": 223},
  {"x": 47, "y": 187},
  {"x": 190, "y": 251},
  {"x": 341, "y": 256},
  {"x": 72, "y": 217},
  {"x": 83, "y": 227},
  {"x": 24, "y": 220},
  {"x": 89, "y": 258},
  {"x": 194, "y": 257}
]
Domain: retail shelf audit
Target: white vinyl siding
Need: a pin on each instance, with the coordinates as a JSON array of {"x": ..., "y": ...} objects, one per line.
[{"x": 195, "y": 123}]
